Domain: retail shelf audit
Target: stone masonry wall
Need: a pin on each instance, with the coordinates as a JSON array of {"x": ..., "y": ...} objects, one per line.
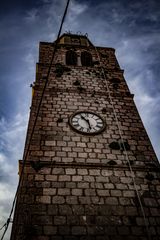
[{"x": 76, "y": 186}]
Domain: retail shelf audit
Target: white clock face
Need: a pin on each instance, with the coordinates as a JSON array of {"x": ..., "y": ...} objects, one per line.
[{"x": 87, "y": 122}]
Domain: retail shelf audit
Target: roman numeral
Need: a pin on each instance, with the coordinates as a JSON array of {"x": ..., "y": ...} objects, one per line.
[
  {"x": 81, "y": 129},
  {"x": 99, "y": 125},
  {"x": 76, "y": 118},
  {"x": 76, "y": 125},
  {"x": 99, "y": 121},
  {"x": 74, "y": 121}
]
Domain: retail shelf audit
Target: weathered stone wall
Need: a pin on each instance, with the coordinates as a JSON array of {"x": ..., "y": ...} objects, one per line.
[{"x": 76, "y": 186}]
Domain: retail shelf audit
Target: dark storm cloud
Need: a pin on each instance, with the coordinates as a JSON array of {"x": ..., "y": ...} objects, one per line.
[{"x": 17, "y": 6}]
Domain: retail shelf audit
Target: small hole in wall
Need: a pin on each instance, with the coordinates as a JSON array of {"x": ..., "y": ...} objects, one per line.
[
  {"x": 112, "y": 162},
  {"x": 96, "y": 62},
  {"x": 114, "y": 145},
  {"x": 120, "y": 146},
  {"x": 104, "y": 110},
  {"x": 125, "y": 146},
  {"x": 149, "y": 177},
  {"x": 131, "y": 162},
  {"x": 76, "y": 83},
  {"x": 60, "y": 120},
  {"x": 103, "y": 55},
  {"x": 93, "y": 94},
  {"x": 81, "y": 89},
  {"x": 151, "y": 164},
  {"x": 132, "y": 219},
  {"x": 115, "y": 80},
  {"x": 116, "y": 67},
  {"x": 115, "y": 86}
]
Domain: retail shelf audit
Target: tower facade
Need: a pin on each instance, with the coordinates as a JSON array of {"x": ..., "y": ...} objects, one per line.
[{"x": 91, "y": 171}]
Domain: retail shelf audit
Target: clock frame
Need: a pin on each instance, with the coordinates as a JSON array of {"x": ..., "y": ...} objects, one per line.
[{"x": 87, "y": 123}]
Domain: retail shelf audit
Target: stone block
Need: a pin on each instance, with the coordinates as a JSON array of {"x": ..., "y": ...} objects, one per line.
[
  {"x": 50, "y": 230},
  {"x": 109, "y": 186},
  {"x": 58, "y": 184},
  {"x": 39, "y": 177},
  {"x": 42, "y": 220},
  {"x": 52, "y": 209},
  {"x": 138, "y": 231},
  {"x": 129, "y": 193},
  {"x": 84, "y": 200},
  {"x": 65, "y": 210},
  {"x": 114, "y": 179},
  {"x": 111, "y": 201},
  {"x": 59, "y": 220},
  {"x": 70, "y": 171},
  {"x": 121, "y": 186},
  {"x": 102, "y": 179},
  {"x": 71, "y": 184},
  {"x": 131, "y": 211},
  {"x": 43, "y": 199},
  {"x": 81, "y": 144},
  {"x": 150, "y": 202},
  {"x": 103, "y": 192},
  {"x": 64, "y": 178},
  {"x": 89, "y": 178},
  {"x": 95, "y": 172},
  {"x": 71, "y": 200},
  {"x": 58, "y": 200},
  {"x": 83, "y": 185},
  {"x": 77, "y": 192},
  {"x": 51, "y": 177},
  {"x": 49, "y": 191},
  {"x": 82, "y": 171},
  {"x": 78, "y": 210},
  {"x": 78, "y": 230},
  {"x": 49, "y": 153},
  {"x": 64, "y": 231},
  {"x": 96, "y": 185},
  {"x": 125, "y": 201},
  {"x": 123, "y": 230},
  {"x": 82, "y": 155},
  {"x": 76, "y": 178},
  {"x": 72, "y": 220},
  {"x": 58, "y": 171},
  {"x": 126, "y": 180},
  {"x": 63, "y": 191},
  {"x": 90, "y": 192},
  {"x": 116, "y": 193}
]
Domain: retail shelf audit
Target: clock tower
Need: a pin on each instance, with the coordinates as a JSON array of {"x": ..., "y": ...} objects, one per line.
[{"x": 91, "y": 172}]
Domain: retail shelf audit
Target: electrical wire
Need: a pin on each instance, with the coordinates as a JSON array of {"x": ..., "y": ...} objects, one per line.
[
  {"x": 2, "y": 226},
  {"x": 125, "y": 151},
  {"x": 38, "y": 110}
]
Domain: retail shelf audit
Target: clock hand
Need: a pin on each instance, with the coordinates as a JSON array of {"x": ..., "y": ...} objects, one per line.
[
  {"x": 86, "y": 121},
  {"x": 83, "y": 118}
]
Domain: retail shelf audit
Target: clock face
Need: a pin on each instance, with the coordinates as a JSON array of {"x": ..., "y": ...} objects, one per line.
[{"x": 87, "y": 122}]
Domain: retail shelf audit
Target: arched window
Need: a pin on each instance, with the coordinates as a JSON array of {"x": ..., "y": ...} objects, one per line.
[
  {"x": 86, "y": 59},
  {"x": 71, "y": 58}
]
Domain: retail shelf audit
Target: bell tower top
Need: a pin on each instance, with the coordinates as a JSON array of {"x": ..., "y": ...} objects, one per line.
[{"x": 75, "y": 39}]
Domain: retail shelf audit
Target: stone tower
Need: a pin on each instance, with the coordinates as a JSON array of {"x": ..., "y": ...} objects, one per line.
[{"x": 91, "y": 172}]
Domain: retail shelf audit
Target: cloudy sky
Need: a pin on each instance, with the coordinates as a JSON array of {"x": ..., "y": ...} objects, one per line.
[{"x": 132, "y": 27}]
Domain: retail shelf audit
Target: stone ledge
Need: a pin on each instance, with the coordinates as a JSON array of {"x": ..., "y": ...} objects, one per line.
[{"x": 91, "y": 165}]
